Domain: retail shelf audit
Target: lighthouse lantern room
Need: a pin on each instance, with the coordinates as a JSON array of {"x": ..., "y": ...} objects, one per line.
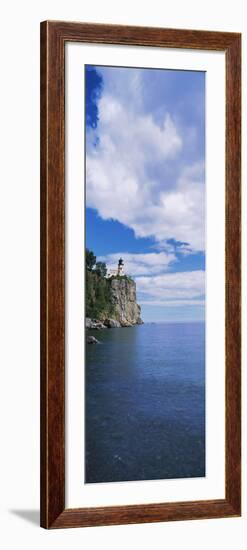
[{"x": 120, "y": 270}]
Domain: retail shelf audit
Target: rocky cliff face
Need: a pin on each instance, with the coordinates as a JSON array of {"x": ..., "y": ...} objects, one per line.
[{"x": 123, "y": 298}]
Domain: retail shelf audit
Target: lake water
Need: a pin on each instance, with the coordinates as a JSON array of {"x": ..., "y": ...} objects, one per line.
[{"x": 145, "y": 403}]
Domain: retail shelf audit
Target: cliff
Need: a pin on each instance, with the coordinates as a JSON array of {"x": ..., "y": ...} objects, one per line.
[
  {"x": 112, "y": 302},
  {"x": 123, "y": 299},
  {"x": 98, "y": 296}
]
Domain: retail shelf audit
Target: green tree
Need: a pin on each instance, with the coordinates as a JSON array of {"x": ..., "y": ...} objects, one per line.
[
  {"x": 101, "y": 269},
  {"x": 90, "y": 259},
  {"x": 98, "y": 293}
]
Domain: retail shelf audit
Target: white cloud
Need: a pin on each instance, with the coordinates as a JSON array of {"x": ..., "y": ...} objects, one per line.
[
  {"x": 185, "y": 286},
  {"x": 134, "y": 175},
  {"x": 155, "y": 285},
  {"x": 172, "y": 303},
  {"x": 141, "y": 264}
]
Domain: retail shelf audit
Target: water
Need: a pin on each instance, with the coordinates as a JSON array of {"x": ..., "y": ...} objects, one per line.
[{"x": 145, "y": 403}]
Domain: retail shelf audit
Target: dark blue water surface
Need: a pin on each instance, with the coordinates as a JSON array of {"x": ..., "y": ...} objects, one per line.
[{"x": 145, "y": 403}]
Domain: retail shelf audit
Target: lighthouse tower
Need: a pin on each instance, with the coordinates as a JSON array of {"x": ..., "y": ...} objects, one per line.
[{"x": 120, "y": 269}]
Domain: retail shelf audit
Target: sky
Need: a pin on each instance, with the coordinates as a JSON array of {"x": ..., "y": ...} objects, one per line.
[{"x": 145, "y": 184}]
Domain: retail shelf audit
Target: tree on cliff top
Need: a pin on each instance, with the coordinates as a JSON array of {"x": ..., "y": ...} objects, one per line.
[
  {"x": 101, "y": 269},
  {"x": 90, "y": 259},
  {"x": 98, "y": 296}
]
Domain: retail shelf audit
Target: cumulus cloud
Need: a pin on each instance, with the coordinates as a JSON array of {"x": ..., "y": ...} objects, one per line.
[
  {"x": 134, "y": 171},
  {"x": 172, "y": 303},
  {"x": 141, "y": 264},
  {"x": 156, "y": 286},
  {"x": 185, "y": 286}
]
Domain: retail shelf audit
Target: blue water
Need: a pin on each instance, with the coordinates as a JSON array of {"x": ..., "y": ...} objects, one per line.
[{"x": 145, "y": 403}]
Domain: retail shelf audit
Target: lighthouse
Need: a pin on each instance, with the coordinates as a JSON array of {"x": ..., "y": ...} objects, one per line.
[
  {"x": 119, "y": 272},
  {"x": 120, "y": 269}
]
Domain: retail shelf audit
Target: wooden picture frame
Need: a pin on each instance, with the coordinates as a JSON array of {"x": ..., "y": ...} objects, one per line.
[{"x": 54, "y": 35}]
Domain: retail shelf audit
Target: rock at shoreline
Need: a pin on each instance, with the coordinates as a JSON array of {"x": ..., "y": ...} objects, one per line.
[
  {"x": 88, "y": 322},
  {"x": 94, "y": 324},
  {"x": 92, "y": 340},
  {"x": 125, "y": 323},
  {"x": 112, "y": 323},
  {"x": 139, "y": 321}
]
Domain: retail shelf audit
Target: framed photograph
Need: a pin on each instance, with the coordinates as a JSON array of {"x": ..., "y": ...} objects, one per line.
[{"x": 140, "y": 274}]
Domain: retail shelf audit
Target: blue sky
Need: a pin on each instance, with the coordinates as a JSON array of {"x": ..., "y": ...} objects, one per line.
[{"x": 145, "y": 183}]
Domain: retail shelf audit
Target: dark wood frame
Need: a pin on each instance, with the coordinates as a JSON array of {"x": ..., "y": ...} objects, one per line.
[{"x": 53, "y": 37}]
